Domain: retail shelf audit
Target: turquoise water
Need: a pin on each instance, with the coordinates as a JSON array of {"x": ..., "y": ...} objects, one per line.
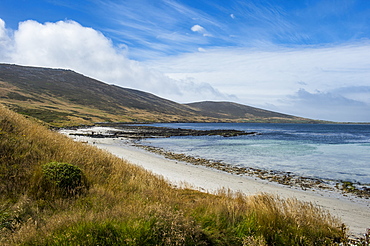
[{"x": 335, "y": 152}]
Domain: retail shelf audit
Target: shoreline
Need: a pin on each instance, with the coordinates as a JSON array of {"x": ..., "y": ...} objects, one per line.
[
  {"x": 353, "y": 211},
  {"x": 284, "y": 178},
  {"x": 137, "y": 132}
]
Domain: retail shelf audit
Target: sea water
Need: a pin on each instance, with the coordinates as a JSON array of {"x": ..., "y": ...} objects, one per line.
[{"x": 325, "y": 151}]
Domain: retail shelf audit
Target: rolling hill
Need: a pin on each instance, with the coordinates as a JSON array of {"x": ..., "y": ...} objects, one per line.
[
  {"x": 230, "y": 110},
  {"x": 64, "y": 97}
]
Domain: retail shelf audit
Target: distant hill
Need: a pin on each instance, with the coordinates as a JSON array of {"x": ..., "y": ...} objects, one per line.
[
  {"x": 64, "y": 97},
  {"x": 230, "y": 110}
]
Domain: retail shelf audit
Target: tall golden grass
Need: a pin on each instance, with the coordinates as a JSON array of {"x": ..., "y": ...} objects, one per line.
[{"x": 127, "y": 205}]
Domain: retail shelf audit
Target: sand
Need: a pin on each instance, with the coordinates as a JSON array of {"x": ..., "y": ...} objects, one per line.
[{"x": 354, "y": 212}]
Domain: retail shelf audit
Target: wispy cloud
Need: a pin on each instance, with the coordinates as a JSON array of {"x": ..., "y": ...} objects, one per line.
[
  {"x": 161, "y": 27},
  {"x": 146, "y": 24}
]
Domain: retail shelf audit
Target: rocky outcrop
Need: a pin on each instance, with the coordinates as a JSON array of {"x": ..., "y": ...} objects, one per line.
[{"x": 142, "y": 131}]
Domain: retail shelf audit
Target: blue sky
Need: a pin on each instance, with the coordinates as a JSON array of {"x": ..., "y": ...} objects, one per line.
[{"x": 305, "y": 57}]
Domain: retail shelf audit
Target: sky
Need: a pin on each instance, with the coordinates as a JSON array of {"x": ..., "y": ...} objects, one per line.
[{"x": 308, "y": 58}]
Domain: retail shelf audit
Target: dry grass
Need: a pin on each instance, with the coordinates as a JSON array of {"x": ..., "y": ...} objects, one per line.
[{"x": 126, "y": 205}]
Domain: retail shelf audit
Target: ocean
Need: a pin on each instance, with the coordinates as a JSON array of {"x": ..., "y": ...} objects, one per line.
[{"x": 339, "y": 152}]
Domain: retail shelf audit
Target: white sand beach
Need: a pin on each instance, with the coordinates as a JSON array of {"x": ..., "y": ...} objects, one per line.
[{"x": 352, "y": 211}]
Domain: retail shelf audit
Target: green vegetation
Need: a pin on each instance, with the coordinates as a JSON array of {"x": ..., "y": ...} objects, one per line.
[
  {"x": 61, "y": 180},
  {"x": 46, "y": 115},
  {"x": 122, "y": 204}
]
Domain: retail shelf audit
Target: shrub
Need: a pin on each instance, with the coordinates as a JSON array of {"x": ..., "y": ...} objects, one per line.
[{"x": 62, "y": 179}]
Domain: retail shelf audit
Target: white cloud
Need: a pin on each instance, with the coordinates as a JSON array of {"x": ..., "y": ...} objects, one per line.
[
  {"x": 232, "y": 16},
  {"x": 67, "y": 44},
  {"x": 6, "y": 46},
  {"x": 198, "y": 28}
]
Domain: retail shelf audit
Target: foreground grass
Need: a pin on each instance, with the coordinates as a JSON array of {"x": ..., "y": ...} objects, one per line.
[{"x": 126, "y": 205}]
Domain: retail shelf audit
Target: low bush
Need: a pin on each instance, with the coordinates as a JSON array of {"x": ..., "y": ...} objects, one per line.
[{"x": 61, "y": 180}]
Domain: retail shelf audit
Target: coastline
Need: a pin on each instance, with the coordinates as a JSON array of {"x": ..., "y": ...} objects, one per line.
[{"x": 353, "y": 211}]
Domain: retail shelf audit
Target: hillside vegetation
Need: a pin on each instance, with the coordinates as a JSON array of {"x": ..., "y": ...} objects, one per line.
[
  {"x": 55, "y": 191},
  {"x": 62, "y": 97},
  {"x": 238, "y": 112}
]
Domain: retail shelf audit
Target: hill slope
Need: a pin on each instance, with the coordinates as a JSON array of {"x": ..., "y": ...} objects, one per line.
[
  {"x": 230, "y": 110},
  {"x": 58, "y": 93},
  {"x": 63, "y": 97}
]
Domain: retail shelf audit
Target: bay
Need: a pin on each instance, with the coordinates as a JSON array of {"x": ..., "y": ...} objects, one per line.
[{"x": 325, "y": 151}]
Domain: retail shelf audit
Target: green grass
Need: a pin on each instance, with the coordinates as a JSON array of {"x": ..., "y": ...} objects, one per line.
[
  {"x": 127, "y": 205},
  {"x": 135, "y": 232},
  {"x": 45, "y": 115}
]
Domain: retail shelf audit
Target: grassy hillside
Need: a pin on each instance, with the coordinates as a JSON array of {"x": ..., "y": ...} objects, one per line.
[
  {"x": 239, "y": 112},
  {"x": 99, "y": 199},
  {"x": 63, "y": 97}
]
